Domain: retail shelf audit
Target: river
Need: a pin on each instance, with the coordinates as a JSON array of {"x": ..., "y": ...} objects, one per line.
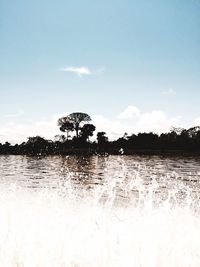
[{"x": 140, "y": 211}]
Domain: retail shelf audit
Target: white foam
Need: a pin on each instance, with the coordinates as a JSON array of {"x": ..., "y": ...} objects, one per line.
[
  {"x": 46, "y": 229},
  {"x": 125, "y": 220}
]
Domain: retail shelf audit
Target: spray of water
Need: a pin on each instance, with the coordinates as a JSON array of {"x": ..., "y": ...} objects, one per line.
[{"x": 124, "y": 220}]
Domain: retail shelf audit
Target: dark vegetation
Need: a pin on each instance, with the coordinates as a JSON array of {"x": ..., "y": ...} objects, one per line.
[{"x": 76, "y": 140}]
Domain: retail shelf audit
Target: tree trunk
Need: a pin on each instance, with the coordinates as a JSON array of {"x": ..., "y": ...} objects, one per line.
[{"x": 76, "y": 129}]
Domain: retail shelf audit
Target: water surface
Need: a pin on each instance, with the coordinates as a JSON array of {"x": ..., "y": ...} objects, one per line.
[{"x": 99, "y": 211}]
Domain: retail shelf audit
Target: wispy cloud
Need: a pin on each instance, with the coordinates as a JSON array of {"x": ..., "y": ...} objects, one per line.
[
  {"x": 169, "y": 91},
  {"x": 80, "y": 71},
  {"x": 19, "y": 113}
]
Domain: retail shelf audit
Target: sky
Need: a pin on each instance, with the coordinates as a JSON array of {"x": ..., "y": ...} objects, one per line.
[{"x": 132, "y": 65}]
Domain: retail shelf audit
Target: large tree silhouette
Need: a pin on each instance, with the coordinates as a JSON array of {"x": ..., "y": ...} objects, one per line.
[
  {"x": 66, "y": 125},
  {"x": 73, "y": 122},
  {"x": 102, "y": 138},
  {"x": 87, "y": 130}
]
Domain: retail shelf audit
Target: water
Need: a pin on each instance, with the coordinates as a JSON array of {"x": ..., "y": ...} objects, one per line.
[{"x": 99, "y": 211}]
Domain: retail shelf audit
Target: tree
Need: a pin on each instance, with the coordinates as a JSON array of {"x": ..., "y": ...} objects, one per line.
[
  {"x": 102, "y": 139},
  {"x": 125, "y": 136},
  {"x": 177, "y": 130},
  {"x": 65, "y": 125},
  {"x": 7, "y": 144},
  {"x": 75, "y": 119},
  {"x": 60, "y": 138},
  {"x": 146, "y": 140},
  {"x": 192, "y": 132},
  {"x": 7, "y": 147},
  {"x": 37, "y": 144},
  {"x": 87, "y": 130}
]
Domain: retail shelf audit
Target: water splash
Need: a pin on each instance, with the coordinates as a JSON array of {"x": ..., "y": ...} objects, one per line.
[{"x": 126, "y": 219}]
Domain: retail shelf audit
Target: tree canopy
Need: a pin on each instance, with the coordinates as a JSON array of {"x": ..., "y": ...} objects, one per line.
[
  {"x": 73, "y": 121},
  {"x": 87, "y": 130}
]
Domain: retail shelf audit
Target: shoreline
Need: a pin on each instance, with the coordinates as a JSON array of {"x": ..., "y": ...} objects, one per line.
[{"x": 109, "y": 152}]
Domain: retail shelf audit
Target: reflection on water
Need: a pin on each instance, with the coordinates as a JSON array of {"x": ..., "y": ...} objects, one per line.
[
  {"x": 26, "y": 170},
  {"x": 127, "y": 175},
  {"x": 99, "y": 211}
]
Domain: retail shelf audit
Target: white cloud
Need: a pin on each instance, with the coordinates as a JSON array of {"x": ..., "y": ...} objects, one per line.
[
  {"x": 131, "y": 120},
  {"x": 156, "y": 121},
  {"x": 80, "y": 71},
  {"x": 197, "y": 122},
  {"x": 113, "y": 128},
  {"x": 169, "y": 91},
  {"x": 129, "y": 112},
  {"x": 19, "y": 132}
]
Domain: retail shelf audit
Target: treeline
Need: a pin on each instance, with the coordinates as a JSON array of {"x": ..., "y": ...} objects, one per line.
[
  {"x": 76, "y": 140},
  {"x": 176, "y": 141}
]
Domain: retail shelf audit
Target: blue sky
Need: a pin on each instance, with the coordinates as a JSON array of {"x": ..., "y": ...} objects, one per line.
[{"x": 99, "y": 57}]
